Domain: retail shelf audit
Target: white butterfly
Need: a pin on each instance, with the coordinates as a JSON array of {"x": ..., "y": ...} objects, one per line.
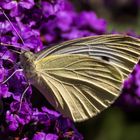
[{"x": 75, "y": 79}]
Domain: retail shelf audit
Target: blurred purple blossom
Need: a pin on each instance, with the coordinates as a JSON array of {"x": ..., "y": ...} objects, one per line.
[
  {"x": 90, "y": 20},
  {"x": 1, "y": 74},
  {"x": 43, "y": 136},
  {"x": 4, "y": 91},
  {"x": 16, "y": 7}
]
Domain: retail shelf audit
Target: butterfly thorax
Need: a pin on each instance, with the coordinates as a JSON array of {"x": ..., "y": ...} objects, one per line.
[{"x": 27, "y": 60}]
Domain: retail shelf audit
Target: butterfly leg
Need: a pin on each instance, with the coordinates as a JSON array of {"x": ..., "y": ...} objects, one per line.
[
  {"x": 11, "y": 75},
  {"x": 22, "y": 96}
]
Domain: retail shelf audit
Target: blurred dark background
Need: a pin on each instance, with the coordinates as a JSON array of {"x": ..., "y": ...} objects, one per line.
[
  {"x": 112, "y": 124},
  {"x": 117, "y": 122},
  {"x": 121, "y": 15}
]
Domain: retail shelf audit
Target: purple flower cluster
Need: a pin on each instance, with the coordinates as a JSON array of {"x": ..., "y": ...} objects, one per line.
[
  {"x": 68, "y": 24},
  {"x": 34, "y": 25},
  {"x": 130, "y": 97}
]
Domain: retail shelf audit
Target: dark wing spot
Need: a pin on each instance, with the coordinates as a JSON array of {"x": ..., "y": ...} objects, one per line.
[{"x": 105, "y": 58}]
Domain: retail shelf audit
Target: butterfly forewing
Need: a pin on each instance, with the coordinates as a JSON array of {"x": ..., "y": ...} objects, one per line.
[
  {"x": 120, "y": 50},
  {"x": 81, "y": 86}
]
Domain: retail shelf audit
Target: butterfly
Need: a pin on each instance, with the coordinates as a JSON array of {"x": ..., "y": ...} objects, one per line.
[{"x": 82, "y": 77}]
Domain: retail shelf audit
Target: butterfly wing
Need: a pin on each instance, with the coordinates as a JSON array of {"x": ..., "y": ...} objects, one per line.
[
  {"x": 119, "y": 50},
  {"x": 86, "y": 87},
  {"x": 80, "y": 86}
]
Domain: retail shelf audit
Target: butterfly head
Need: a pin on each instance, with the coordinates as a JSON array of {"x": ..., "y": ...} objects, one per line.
[{"x": 26, "y": 56}]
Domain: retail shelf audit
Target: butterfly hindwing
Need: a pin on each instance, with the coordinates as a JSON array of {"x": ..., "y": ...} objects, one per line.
[{"x": 81, "y": 86}]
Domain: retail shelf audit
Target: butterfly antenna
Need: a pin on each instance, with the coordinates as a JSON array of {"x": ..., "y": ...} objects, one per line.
[
  {"x": 18, "y": 52},
  {"x": 4, "y": 44},
  {"x": 12, "y": 25}
]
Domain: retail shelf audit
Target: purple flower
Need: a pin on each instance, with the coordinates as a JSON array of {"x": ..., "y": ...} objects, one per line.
[
  {"x": 51, "y": 112},
  {"x": 76, "y": 33},
  {"x": 25, "y": 139},
  {"x": 30, "y": 37},
  {"x": 16, "y": 7},
  {"x": 65, "y": 20},
  {"x": 48, "y": 9},
  {"x": 5, "y": 26},
  {"x": 4, "y": 91},
  {"x": 8, "y": 56},
  {"x": 68, "y": 24},
  {"x": 89, "y": 20},
  {"x": 12, "y": 120},
  {"x": 51, "y": 9},
  {"x": 2, "y": 74},
  {"x": 18, "y": 116},
  {"x": 43, "y": 136}
]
